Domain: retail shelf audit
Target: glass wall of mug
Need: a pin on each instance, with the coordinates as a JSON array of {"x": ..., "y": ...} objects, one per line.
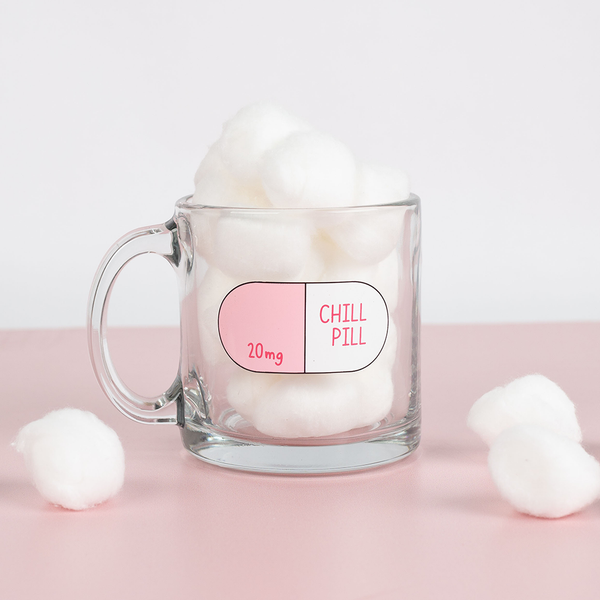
[{"x": 300, "y": 335}]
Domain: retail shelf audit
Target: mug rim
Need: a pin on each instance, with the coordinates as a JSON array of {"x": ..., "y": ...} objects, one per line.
[{"x": 185, "y": 203}]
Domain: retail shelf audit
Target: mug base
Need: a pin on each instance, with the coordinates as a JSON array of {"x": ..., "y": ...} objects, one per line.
[{"x": 302, "y": 459}]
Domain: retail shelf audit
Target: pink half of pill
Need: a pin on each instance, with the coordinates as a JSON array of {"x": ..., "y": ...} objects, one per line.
[{"x": 303, "y": 327}]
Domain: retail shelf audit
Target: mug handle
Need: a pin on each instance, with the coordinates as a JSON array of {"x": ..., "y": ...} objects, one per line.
[{"x": 161, "y": 240}]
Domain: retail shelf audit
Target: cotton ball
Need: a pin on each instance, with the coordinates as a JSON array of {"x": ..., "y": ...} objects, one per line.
[
  {"x": 541, "y": 473},
  {"x": 212, "y": 289},
  {"x": 309, "y": 170},
  {"x": 293, "y": 406},
  {"x": 532, "y": 399},
  {"x": 376, "y": 394},
  {"x": 211, "y": 163},
  {"x": 208, "y": 334},
  {"x": 368, "y": 235},
  {"x": 216, "y": 186},
  {"x": 317, "y": 259},
  {"x": 250, "y": 133},
  {"x": 313, "y": 268},
  {"x": 377, "y": 184},
  {"x": 261, "y": 245},
  {"x": 214, "y": 285},
  {"x": 383, "y": 276},
  {"x": 387, "y": 357},
  {"x": 308, "y": 406},
  {"x": 246, "y": 389},
  {"x": 74, "y": 459},
  {"x": 321, "y": 405},
  {"x": 203, "y": 222}
]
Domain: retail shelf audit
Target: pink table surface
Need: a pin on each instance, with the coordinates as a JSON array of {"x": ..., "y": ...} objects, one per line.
[{"x": 430, "y": 527}]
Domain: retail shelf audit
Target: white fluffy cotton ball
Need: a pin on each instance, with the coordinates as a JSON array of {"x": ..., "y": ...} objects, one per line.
[
  {"x": 216, "y": 186},
  {"x": 308, "y": 406},
  {"x": 309, "y": 170},
  {"x": 324, "y": 404},
  {"x": 387, "y": 357},
  {"x": 532, "y": 399},
  {"x": 246, "y": 390},
  {"x": 376, "y": 393},
  {"x": 368, "y": 235},
  {"x": 74, "y": 459},
  {"x": 250, "y": 133},
  {"x": 378, "y": 184},
  {"x": 261, "y": 246},
  {"x": 211, "y": 291},
  {"x": 383, "y": 276},
  {"x": 541, "y": 473}
]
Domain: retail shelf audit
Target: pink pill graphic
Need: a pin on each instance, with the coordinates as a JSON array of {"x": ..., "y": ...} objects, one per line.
[{"x": 303, "y": 327}]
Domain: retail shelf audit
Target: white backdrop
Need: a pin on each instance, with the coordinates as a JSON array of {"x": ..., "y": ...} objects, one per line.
[{"x": 493, "y": 109}]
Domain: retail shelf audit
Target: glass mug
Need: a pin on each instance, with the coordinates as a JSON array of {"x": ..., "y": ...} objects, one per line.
[{"x": 299, "y": 334}]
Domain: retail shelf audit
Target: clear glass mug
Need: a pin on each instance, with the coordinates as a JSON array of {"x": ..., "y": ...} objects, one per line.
[{"x": 299, "y": 334}]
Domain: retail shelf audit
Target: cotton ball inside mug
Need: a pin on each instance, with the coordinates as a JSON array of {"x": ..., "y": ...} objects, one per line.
[
  {"x": 368, "y": 235},
  {"x": 73, "y": 458},
  {"x": 387, "y": 357},
  {"x": 324, "y": 404},
  {"x": 309, "y": 170},
  {"x": 308, "y": 406},
  {"x": 383, "y": 276},
  {"x": 379, "y": 184},
  {"x": 376, "y": 393},
  {"x": 246, "y": 389},
  {"x": 532, "y": 399},
  {"x": 541, "y": 473},
  {"x": 202, "y": 225},
  {"x": 213, "y": 287},
  {"x": 216, "y": 186},
  {"x": 261, "y": 246},
  {"x": 250, "y": 133}
]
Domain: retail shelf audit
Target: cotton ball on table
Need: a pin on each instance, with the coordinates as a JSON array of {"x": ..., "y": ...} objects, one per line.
[
  {"x": 250, "y": 133},
  {"x": 74, "y": 459},
  {"x": 309, "y": 170},
  {"x": 541, "y": 473},
  {"x": 532, "y": 399}
]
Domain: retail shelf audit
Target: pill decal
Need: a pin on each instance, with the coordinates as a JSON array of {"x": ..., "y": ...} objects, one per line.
[{"x": 303, "y": 327}]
